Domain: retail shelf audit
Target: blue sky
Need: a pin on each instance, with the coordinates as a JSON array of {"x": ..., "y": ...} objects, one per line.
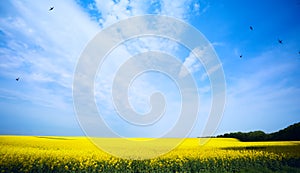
[{"x": 42, "y": 47}]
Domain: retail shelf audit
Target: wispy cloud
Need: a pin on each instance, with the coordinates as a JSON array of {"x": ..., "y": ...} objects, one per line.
[
  {"x": 210, "y": 71},
  {"x": 43, "y": 49},
  {"x": 191, "y": 63},
  {"x": 261, "y": 94},
  {"x": 198, "y": 60}
]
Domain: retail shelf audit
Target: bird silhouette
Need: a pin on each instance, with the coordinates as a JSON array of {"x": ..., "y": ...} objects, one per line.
[
  {"x": 51, "y": 8},
  {"x": 251, "y": 28},
  {"x": 17, "y": 79},
  {"x": 279, "y": 41},
  {"x": 241, "y": 56}
]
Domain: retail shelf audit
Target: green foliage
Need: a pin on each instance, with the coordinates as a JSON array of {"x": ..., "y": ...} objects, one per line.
[
  {"x": 163, "y": 165},
  {"x": 291, "y": 133}
]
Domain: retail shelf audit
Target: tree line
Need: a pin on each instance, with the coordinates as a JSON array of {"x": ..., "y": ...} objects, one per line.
[{"x": 291, "y": 133}]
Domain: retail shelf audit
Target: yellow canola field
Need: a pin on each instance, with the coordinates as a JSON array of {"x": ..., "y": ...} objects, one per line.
[{"x": 79, "y": 154}]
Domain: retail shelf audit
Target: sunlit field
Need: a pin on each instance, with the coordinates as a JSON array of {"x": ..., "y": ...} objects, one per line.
[{"x": 78, "y": 154}]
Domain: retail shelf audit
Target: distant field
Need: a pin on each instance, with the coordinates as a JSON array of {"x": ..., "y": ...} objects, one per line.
[{"x": 78, "y": 154}]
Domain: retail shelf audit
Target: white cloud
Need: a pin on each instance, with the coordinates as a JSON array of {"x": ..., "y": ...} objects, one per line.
[
  {"x": 43, "y": 46},
  {"x": 139, "y": 94},
  {"x": 210, "y": 71},
  {"x": 192, "y": 62},
  {"x": 264, "y": 91},
  {"x": 201, "y": 7},
  {"x": 112, "y": 12},
  {"x": 176, "y": 8},
  {"x": 201, "y": 58},
  {"x": 196, "y": 6}
]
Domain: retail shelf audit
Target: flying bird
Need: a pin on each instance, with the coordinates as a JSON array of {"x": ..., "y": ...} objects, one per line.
[
  {"x": 51, "y": 8},
  {"x": 279, "y": 41},
  {"x": 251, "y": 28},
  {"x": 17, "y": 79},
  {"x": 241, "y": 56}
]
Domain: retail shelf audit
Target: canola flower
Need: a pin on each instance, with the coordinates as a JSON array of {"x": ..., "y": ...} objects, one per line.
[{"x": 78, "y": 154}]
